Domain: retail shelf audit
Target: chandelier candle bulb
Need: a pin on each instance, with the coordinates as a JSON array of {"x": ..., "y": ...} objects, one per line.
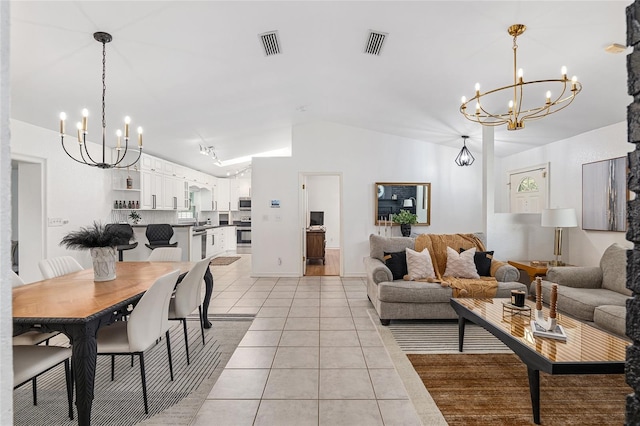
[
  {"x": 63, "y": 117},
  {"x": 520, "y": 75},
  {"x": 85, "y": 115},
  {"x": 477, "y": 89},
  {"x": 127, "y": 120},
  {"x": 79, "y": 126},
  {"x": 574, "y": 81},
  {"x": 139, "y": 136},
  {"x": 563, "y": 71},
  {"x": 118, "y": 135},
  {"x": 548, "y": 97}
]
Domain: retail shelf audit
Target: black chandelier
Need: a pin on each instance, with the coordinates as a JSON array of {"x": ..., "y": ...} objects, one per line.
[
  {"x": 465, "y": 158},
  {"x": 85, "y": 157}
]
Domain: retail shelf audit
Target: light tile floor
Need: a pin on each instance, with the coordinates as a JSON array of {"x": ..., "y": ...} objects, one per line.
[{"x": 312, "y": 355}]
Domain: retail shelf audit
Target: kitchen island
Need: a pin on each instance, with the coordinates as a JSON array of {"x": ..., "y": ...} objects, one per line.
[{"x": 196, "y": 242}]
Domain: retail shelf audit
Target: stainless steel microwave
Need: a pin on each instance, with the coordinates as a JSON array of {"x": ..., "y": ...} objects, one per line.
[{"x": 244, "y": 203}]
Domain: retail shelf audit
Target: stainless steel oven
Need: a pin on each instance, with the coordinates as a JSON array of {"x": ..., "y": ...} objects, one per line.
[
  {"x": 244, "y": 203},
  {"x": 243, "y": 234}
]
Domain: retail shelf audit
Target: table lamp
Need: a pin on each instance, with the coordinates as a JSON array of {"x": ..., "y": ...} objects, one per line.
[
  {"x": 558, "y": 218},
  {"x": 408, "y": 202}
]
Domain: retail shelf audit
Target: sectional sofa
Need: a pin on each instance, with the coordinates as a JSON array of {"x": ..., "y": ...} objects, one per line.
[
  {"x": 400, "y": 299},
  {"x": 595, "y": 294}
]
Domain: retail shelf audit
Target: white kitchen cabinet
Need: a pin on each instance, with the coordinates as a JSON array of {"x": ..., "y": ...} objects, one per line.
[
  {"x": 151, "y": 191},
  {"x": 148, "y": 162},
  {"x": 222, "y": 200},
  {"x": 211, "y": 240},
  {"x": 230, "y": 239}
]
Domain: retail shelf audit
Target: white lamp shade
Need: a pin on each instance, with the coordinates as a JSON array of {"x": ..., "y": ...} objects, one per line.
[
  {"x": 407, "y": 203},
  {"x": 559, "y": 218}
]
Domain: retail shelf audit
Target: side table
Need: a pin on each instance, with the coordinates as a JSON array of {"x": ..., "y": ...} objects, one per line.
[{"x": 532, "y": 270}]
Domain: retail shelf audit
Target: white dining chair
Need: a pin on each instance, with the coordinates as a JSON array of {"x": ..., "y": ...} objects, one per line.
[
  {"x": 147, "y": 323},
  {"x": 29, "y": 362},
  {"x": 58, "y": 266},
  {"x": 30, "y": 337},
  {"x": 188, "y": 297},
  {"x": 166, "y": 254}
]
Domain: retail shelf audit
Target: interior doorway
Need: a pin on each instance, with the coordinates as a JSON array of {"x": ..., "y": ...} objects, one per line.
[
  {"x": 322, "y": 224},
  {"x": 28, "y": 218}
]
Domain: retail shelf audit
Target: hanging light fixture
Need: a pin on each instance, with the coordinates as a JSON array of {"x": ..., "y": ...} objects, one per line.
[
  {"x": 515, "y": 112},
  {"x": 85, "y": 157},
  {"x": 465, "y": 158}
]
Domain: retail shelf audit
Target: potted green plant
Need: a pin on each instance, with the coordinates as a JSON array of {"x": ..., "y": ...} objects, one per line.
[
  {"x": 101, "y": 240},
  {"x": 405, "y": 218},
  {"x": 135, "y": 217}
]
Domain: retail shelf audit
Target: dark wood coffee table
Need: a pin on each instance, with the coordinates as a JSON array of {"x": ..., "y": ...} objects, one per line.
[{"x": 587, "y": 350}]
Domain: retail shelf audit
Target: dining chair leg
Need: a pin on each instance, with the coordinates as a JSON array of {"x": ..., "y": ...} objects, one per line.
[
  {"x": 113, "y": 367},
  {"x": 144, "y": 383},
  {"x": 201, "y": 322},
  {"x": 67, "y": 376},
  {"x": 169, "y": 355},
  {"x": 132, "y": 360},
  {"x": 34, "y": 389},
  {"x": 186, "y": 338}
]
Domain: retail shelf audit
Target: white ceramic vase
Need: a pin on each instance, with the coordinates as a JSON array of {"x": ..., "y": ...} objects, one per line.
[{"x": 104, "y": 263}]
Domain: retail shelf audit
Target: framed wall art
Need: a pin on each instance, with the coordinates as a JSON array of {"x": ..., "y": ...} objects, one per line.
[{"x": 605, "y": 195}]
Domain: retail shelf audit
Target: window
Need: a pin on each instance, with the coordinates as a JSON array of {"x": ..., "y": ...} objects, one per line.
[{"x": 527, "y": 184}]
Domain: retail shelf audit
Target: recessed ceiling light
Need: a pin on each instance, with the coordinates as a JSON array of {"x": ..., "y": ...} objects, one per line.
[{"x": 615, "y": 48}]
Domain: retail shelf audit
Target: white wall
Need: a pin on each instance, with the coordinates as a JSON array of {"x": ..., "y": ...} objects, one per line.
[
  {"x": 6, "y": 359},
  {"x": 521, "y": 236},
  {"x": 74, "y": 192},
  {"x": 323, "y": 194},
  {"x": 363, "y": 157}
]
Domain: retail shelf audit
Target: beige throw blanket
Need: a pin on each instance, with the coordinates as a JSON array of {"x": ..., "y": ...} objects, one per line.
[{"x": 484, "y": 287}]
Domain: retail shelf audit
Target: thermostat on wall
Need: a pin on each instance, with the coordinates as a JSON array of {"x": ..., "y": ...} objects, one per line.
[{"x": 275, "y": 204}]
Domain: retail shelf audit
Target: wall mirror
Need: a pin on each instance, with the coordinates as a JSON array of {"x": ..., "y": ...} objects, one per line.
[{"x": 392, "y": 197}]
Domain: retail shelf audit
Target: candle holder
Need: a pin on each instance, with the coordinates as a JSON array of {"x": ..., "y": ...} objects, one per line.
[{"x": 547, "y": 327}]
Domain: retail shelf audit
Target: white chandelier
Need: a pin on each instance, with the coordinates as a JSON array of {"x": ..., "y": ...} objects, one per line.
[
  {"x": 85, "y": 157},
  {"x": 516, "y": 112}
]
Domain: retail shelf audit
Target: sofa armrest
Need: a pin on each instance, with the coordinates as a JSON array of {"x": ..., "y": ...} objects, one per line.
[
  {"x": 503, "y": 272},
  {"x": 377, "y": 271},
  {"x": 575, "y": 276}
]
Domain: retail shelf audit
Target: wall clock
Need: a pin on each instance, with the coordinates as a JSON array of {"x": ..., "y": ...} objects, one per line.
[{"x": 380, "y": 191}]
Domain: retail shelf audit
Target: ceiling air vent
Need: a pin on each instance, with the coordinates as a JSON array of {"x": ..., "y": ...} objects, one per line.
[
  {"x": 375, "y": 41},
  {"x": 270, "y": 43}
]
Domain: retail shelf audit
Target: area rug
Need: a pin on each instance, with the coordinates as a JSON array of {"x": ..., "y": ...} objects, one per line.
[
  {"x": 493, "y": 389},
  {"x": 223, "y": 260},
  {"x": 434, "y": 336},
  {"x": 120, "y": 402}
]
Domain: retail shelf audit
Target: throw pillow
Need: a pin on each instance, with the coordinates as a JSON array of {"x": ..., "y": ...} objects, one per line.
[
  {"x": 397, "y": 263},
  {"x": 461, "y": 265},
  {"x": 482, "y": 259},
  {"x": 419, "y": 265}
]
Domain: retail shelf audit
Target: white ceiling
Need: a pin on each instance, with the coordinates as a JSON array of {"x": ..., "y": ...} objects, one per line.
[{"x": 194, "y": 73}]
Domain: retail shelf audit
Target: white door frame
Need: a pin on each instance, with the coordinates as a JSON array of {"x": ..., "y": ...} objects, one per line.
[
  {"x": 545, "y": 166},
  {"x": 302, "y": 214},
  {"x": 32, "y": 250}
]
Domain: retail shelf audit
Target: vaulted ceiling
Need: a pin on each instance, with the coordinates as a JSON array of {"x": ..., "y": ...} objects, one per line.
[{"x": 195, "y": 73}]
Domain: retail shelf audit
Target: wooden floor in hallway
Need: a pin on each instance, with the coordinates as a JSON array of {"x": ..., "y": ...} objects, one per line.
[{"x": 331, "y": 266}]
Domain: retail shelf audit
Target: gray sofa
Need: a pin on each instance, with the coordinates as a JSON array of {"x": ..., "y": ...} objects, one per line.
[
  {"x": 596, "y": 294},
  {"x": 401, "y": 299}
]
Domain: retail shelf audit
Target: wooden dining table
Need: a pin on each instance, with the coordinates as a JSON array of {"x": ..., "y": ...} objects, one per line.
[{"x": 77, "y": 306}]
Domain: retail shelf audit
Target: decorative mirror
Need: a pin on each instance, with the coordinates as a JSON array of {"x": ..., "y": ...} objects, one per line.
[{"x": 392, "y": 197}]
